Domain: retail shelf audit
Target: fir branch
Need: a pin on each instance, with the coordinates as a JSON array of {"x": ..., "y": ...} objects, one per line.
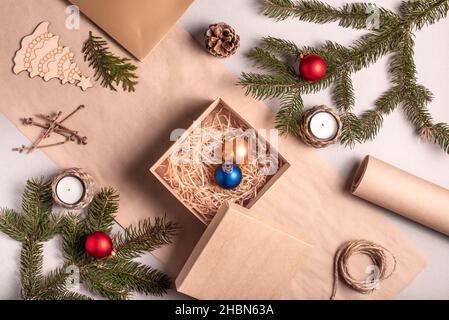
[
  {"x": 366, "y": 127},
  {"x": 420, "y": 13},
  {"x": 11, "y": 224},
  {"x": 307, "y": 87},
  {"x": 393, "y": 35},
  {"x": 354, "y": 15},
  {"x": 262, "y": 86},
  {"x": 113, "y": 278},
  {"x": 36, "y": 205},
  {"x": 74, "y": 234},
  {"x": 53, "y": 283},
  {"x": 289, "y": 116},
  {"x": 269, "y": 62},
  {"x": 351, "y": 130},
  {"x": 363, "y": 53},
  {"x": 389, "y": 100},
  {"x": 362, "y": 15},
  {"x": 137, "y": 277},
  {"x": 112, "y": 69},
  {"x": 371, "y": 122},
  {"x": 343, "y": 93},
  {"x": 370, "y": 48},
  {"x": 402, "y": 65},
  {"x": 102, "y": 211},
  {"x": 440, "y": 132},
  {"x": 414, "y": 97},
  {"x": 333, "y": 53},
  {"x": 31, "y": 260},
  {"x": 265, "y": 86},
  {"x": 67, "y": 295},
  {"x": 101, "y": 282},
  {"x": 145, "y": 237},
  {"x": 51, "y": 226},
  {"x": 280, "y": 46},
  {"x": 55, "y": 287},
  {"x": 414, "y": 103}
]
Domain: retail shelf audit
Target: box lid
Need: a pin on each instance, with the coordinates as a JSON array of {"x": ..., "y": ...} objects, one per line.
[{"x": 239, "y": 256}]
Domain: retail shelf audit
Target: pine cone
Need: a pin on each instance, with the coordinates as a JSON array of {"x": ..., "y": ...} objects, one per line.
[{"x": 221, "y": 40}]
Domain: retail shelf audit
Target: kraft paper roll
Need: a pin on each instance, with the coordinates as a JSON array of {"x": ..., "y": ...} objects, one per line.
[{"x": 403, "y": 193}]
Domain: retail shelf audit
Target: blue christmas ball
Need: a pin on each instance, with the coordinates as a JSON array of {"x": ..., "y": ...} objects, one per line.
[{"x": 228, "y": 176}]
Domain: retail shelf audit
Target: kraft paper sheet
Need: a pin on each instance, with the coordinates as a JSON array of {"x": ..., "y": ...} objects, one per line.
[
  {"x": 129, "y": 132},
  {"x": 403, "y": 193}
]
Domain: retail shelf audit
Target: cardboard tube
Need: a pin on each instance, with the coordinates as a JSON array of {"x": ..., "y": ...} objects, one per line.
[{"x": 403, "y": 193}]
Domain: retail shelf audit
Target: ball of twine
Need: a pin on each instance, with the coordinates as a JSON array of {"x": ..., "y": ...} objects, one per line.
[
  {"x": 378, "y": 255},
  {"x": 307, "y": 136}
]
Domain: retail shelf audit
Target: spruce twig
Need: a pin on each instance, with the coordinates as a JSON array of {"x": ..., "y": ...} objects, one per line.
[
  {"x": 420, "y": 13},
  {"x": 54, "y": 287},
  {"x": 73, "y": 233},
  {"x": 393, "y": 35},
  {"x": 353, "y": 15},
  {"x": 343, "y": 93},
  {"x": 137, "y": 277},
  {"x": 102, "y": 211},
  {"x": 146, "y": 236},
  {"x": 440, "y": 132},
  {"x": 114, "y": 278},
  {"x": 289, "y": 115},
  {"x": 31, "y": 260},
  {"x": 11, "y": 224},
  {"x": 268, "y": 61},
  {"x": 112, "y": 69}
]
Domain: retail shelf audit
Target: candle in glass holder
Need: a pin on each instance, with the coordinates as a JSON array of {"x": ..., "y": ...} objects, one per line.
[
  {"x": 73, "y": 189},
  {"x": 320, "y": 127}
]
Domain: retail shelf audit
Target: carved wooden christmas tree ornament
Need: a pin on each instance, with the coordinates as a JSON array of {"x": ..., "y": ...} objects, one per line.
[{"x": 41, "y": 55}]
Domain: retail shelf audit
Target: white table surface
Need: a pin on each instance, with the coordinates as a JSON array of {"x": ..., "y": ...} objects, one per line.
[{"x": 396, "y": 143}]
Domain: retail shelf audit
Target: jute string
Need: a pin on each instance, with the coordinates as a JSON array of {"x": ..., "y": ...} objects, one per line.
[{"x": 378, "y": 255}]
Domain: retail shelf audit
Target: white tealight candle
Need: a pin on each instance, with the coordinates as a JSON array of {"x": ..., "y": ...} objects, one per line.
[
  {"x": 324, "y": 126},
  {"x": 70, "y": 190}
]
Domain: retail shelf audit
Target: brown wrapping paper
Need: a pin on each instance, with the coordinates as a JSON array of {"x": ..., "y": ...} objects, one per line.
[
  {"x": 403, "y": 193},
  {"x": 138, "y": 25},
  {"x": 129, "y": 132}
]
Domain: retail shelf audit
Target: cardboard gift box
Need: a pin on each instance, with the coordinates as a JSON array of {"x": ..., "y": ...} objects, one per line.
[
  {"x": 280, "y": 166},
  {"x": 241, "y": 256},
  {"x": 138, "y": 25}
]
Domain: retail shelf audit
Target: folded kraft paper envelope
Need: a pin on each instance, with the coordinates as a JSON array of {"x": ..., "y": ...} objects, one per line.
[
  {"x": 129, "y": 132},
  {"x": 138, "y": 25}
]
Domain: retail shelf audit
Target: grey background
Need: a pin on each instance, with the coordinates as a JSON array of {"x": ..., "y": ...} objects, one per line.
[{"x": 396, "y": 142}]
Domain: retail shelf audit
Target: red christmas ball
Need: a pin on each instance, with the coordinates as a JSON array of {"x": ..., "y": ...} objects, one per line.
[
  {"x": 312, "y": 67},
  {"x": 99, "y": 245}
]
